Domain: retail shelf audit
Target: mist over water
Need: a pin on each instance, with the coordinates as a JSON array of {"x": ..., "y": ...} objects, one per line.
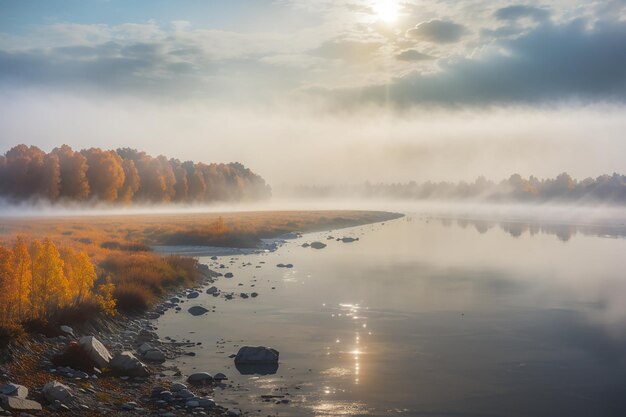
[{"x": 425, "y": 315}]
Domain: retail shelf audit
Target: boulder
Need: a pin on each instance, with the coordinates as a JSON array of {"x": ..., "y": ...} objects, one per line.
[
  {"x": 127, "y": 364},
  {"x": 256, "y": 355},
  {"x": 219, "y": 376},
  {"x": 197, "y": 310},
  {"x": 178, "y": 386},
  {"x": 95, "y": 350},
  {"x": 205, "y": 402},
  {"x": 318, "y": 245},
  {"x": 145, "y": 348},
  {"x": 212, "y": 290},
  {"x": 200, "y": 378},
  {"x": 155, "y": 355},
  {"x": 55, "y": 391},
  {"x": 193, "y": 294},
  {"x": 14, "y": 390},
  {"x": 19, "y": 404}
]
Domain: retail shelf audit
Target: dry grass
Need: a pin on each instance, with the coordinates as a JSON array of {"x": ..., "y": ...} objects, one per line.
[
  {"x": 119, "y": 245},
  {"x": 133, "y": 232}
]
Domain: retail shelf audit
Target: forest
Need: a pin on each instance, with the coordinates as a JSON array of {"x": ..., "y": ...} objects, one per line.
[
  {"x": 44, "y": 284},
  {"x": 121, "y": 176},
  {"x": 39, "y": 279},
  {"x": 609, "y": 189}
]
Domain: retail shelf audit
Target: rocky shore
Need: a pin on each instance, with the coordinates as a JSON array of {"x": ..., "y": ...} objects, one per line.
[{"x": 110, "y": 367}]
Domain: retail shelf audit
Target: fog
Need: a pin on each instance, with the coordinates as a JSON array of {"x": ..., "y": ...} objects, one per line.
[{"x": 296, "y": 143}]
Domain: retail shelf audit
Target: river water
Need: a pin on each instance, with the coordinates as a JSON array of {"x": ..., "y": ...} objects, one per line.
[{"x": 423, "y": 317}]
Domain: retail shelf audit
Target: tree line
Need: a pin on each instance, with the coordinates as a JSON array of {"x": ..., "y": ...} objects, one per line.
[
  {"x": 603, "y": 189},
  {"x": 37, "y": 279},
  {"x": 124, "y": 176}
]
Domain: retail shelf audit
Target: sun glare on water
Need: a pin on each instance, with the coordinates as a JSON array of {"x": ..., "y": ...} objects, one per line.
[{"x": 386, "y": 10}]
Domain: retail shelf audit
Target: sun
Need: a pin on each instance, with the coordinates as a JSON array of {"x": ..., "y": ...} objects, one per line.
[{"x": 386, "y": 10}]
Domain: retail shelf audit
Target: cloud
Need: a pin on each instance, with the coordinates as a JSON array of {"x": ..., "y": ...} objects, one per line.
[
  {"x": 438, "y": 31},
  {"x": 512, "y": 13},
  {"x": 347, "y": 50},
  {"x": 412, "y": 55},
  {"x": 547, "y": 64}
]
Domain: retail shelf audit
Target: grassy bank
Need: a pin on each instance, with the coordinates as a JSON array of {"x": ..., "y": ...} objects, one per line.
[{"x": 117, "y": 250}]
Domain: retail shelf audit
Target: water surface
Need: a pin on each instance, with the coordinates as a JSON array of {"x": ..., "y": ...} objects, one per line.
[{"x": 424, "y": 317}]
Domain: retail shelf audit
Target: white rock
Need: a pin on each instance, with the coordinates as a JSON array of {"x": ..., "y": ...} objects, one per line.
[
  {"x": 127, "y": 364},
  {"x": 18, "y": 404},
  {"x": 96, "y": 350},
  {"x": 14, "y": 390}
]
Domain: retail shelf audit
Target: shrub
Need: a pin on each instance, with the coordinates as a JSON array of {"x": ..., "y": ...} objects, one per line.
[
  {"x": 10, "y": 331},
  {"x": 132, "y": 298},
  {"x": 75, "y": 357}
]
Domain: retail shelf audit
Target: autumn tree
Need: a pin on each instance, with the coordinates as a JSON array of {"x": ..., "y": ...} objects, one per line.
[
  {"x": 132, "y": 181},
  {"x": 105, "y": 173},
  {"x": 50, "y": 287},
  {"x": 8, "y": 294},
  {"x": 73, "y": 173},
  {"x": 23, "y": 277},
  {"x": 79, "y": 273}
]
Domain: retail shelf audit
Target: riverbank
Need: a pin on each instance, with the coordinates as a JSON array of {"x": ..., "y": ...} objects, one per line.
[{"x": 34, "y": 361}]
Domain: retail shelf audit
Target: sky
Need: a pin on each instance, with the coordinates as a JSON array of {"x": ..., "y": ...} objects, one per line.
[{"x": 324, "y": 91}]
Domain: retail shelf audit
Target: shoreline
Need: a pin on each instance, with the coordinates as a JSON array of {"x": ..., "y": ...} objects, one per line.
[{"x": 93, "y": 395}]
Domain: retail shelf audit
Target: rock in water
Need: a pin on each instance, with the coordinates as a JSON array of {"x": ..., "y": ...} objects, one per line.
[
  {"x": 197, "y": 310},
  {"x": 252, "y": 355},
  {"x": 193, "y": 294},
  {"x": 200, "y": 378},
  {"x": 318, "y": 245},
  {"x": 14, "y": 390},
  {"x": 55, "y": 391},
  {"x": 228, "y": 275},
  {"x": 19, "y": 404},
  {"x": 212, "y": 290},
  {"x": 95, "y": 350},
  {"x": 127, "y": 364}
]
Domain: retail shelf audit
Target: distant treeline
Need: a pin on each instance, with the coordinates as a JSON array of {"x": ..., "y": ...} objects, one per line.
[
  {"x": 605, "y": 188},
  {"x": 124, "y": 175}
]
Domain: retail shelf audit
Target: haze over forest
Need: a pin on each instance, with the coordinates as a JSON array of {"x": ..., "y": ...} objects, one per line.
[
  {"x": 319, "y": 93},
  {"x": 121, "y": 176}
]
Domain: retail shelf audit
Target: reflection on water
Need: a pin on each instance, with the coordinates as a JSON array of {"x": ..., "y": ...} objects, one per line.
[{"x": 425, "y": 316}]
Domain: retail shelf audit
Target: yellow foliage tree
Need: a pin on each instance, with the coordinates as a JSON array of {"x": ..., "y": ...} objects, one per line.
[
  {"x": 22, "y": 272},
  {"x": 105, "y": 297},
  {"x": 50, "y": 287},
  {"x": 7, "y": 285},
  {"x": 79, "y": 272}
]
